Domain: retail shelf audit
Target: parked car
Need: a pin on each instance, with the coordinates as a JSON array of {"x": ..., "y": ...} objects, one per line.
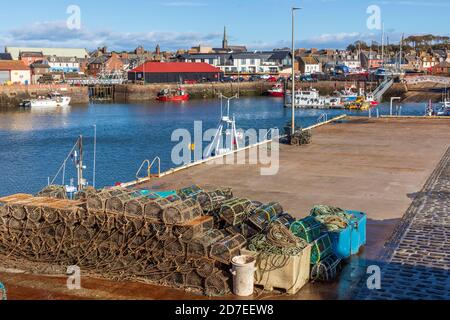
[
  {"x": 271, "y": 79},
  {"x": 265, "y": 76},
  {"x": 227, "y": 79},
  {"x": 190, "y": 81},
  {"x": 254, "y": 78}
]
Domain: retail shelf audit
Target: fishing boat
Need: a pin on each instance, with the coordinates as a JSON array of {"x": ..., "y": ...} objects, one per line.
[
  {"x": 53, "y": 100},
  {"x": 276, "y": 91},
  {"x": 312, "y": 99},
  {"x": 177, "y": 95},
  {"x": 443, "y": 109}
]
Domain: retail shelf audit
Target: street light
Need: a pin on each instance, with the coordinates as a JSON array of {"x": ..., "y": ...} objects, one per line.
[
  {"x": 293, "y": 70},
  {"x": 392, "y": 102}
]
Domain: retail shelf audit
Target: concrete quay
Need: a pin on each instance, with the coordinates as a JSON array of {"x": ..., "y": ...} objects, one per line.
[{"x": 378, "y": 166}]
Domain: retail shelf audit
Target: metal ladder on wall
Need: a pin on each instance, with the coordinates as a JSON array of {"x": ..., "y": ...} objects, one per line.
[{"x": 149, "y": 165}]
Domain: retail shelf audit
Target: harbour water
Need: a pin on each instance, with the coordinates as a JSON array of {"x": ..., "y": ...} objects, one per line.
[{"x": 33, "y": 144}]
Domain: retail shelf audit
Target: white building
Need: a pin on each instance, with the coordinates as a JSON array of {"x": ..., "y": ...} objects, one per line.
[
  {"x": 63, "y": 64},
  {"x": 309, "y": 65},
  {"x": 14, "y": 72}
]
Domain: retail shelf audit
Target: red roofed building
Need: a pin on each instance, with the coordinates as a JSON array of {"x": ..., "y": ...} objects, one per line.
[
  {"x": 167, "y": 72},
  {"x": 14, "y": 71}
]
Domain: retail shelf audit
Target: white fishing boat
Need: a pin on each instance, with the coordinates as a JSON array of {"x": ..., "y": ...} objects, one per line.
[
  {"x": 312, "y": 99},
  {"x": 443, "y": 109},
  {"x": 53, "y": 100}
]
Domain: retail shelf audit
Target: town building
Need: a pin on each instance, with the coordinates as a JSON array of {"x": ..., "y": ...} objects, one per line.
[
  {"x": 39, "y": 69},
  {"x": 106, "y": 64},
  {"x": 174, "y": 72},
  {"x": 442, "y": 69},
  {"x": 309, "y": 65},
  {"x": 351, "y": 61},
  {"x": 371, "y": 60},
  {"x": 29, "y": 57},
  {"x": 64, "y": 64},
  {"x": 59, "y": 52},
  {"x": 14, "y": 72}
]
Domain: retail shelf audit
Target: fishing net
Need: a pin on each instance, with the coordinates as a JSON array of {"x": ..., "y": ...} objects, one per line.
[
  {"x": 53, "y": 191},
  {"x": 278, "y": 241},
  {"x": 189, "y": 192},
  {"x": 228, "y": 248},
  {"x": 263, "y": 215},
  {"x": 236, "y": 211},
  {"x": 181, "y": 212},
  {"x": 213, "y": 200},
  {"x": 200, "y": 247},
  {"x": 308, "y": 229},
  {"x": 194, "y": 228},
  {"x": 332, "y": 218},
  {"x": 321, "y": 248},
  {"x": 326, "y": 270}
]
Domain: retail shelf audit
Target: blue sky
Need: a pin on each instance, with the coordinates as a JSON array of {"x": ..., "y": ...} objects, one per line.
[{"x": 259, "y": 24}]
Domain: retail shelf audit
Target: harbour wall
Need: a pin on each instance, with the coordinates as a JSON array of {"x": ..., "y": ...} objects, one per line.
[{"x": 12, "y": 96}]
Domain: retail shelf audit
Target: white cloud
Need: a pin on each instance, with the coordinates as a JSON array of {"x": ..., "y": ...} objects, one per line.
[{"x": 56, "y": 34}]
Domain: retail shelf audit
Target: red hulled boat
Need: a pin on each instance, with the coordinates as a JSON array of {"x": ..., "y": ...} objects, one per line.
[
  {"x": 276, "y": 91},
  {"x": 167, "y": 95}
]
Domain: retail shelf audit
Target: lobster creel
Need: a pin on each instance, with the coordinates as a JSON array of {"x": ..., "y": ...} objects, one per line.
[
  {"x": 225, "y": 250},
  {"x": 194, "y": 228},
  {"x": 189, "y": 192},
  {"x": 181, "y": 212},
  {"x": 200, "y": 247},
  {"x": 321, "y": 248},
  {"x": 263, "y": 215},
  {"x": 308, "y": 229},
  {"x": 236, "y": 211},
  {"x": 326, "y": 270},
  {"x": 213, "y": 200}
]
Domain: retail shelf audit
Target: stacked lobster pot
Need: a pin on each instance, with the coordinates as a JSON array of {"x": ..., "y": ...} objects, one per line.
[{"x": 121, "y": 233}]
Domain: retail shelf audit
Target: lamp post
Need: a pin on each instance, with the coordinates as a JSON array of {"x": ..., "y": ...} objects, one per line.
[{"x": 293, "y": 69}]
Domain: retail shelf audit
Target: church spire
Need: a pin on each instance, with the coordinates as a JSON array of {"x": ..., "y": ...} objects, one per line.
[{"x": 225, "y": 38}]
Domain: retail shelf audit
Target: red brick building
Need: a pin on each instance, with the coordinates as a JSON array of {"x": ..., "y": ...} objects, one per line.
[{"x": 29, "y": 58}]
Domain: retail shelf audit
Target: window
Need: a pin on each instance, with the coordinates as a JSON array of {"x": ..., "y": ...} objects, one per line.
[
  {"x": 252, "y": 62},
  {"x": 244, "y": 61},
  {"x": 211, "y": 61}
]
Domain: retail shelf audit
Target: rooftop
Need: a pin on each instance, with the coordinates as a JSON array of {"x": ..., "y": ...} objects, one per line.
[
  {"x": 12, "y": 65},
  {"x": 60, "y": 52}
]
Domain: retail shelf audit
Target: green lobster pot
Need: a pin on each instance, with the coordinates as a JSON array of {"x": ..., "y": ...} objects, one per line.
[
  {"x": 321, "y": 248},
  {"x": 189, "y": 192},
  {"x": 236, "y": 211},
  {"x": 327, "y": 270},
  {"x": 263, "y": 215},
  {"x": 309, "y": 229}
]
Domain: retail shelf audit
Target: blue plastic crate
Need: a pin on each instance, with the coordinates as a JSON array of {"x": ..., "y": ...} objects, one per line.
[
  {"x": 359, "y": 230},
  {"x": 342, "y": 242}
]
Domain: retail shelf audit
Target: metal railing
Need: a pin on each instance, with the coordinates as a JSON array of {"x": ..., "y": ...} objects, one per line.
[{"x": 149, "y": 168}]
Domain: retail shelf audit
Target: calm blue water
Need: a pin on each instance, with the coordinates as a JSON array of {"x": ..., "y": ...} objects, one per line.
[{"x": 34, "y": 144}]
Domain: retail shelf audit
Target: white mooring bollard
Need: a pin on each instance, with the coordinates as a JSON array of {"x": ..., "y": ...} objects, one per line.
[{"x": 243, "y": 275}]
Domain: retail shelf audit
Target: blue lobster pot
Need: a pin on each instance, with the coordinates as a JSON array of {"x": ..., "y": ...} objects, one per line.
[
  {"x": 359, "y": 230},
  {"x": 342, "y": 242}
]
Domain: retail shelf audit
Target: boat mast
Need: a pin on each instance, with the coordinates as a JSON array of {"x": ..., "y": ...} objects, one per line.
[
  {"x": 80, "y": 164},
  {"x": 382, "y": 45},
  {"x": 293, "y": 70}
]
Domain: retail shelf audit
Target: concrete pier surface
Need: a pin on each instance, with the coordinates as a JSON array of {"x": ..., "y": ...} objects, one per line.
[{"x": 373, "y": 165}]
